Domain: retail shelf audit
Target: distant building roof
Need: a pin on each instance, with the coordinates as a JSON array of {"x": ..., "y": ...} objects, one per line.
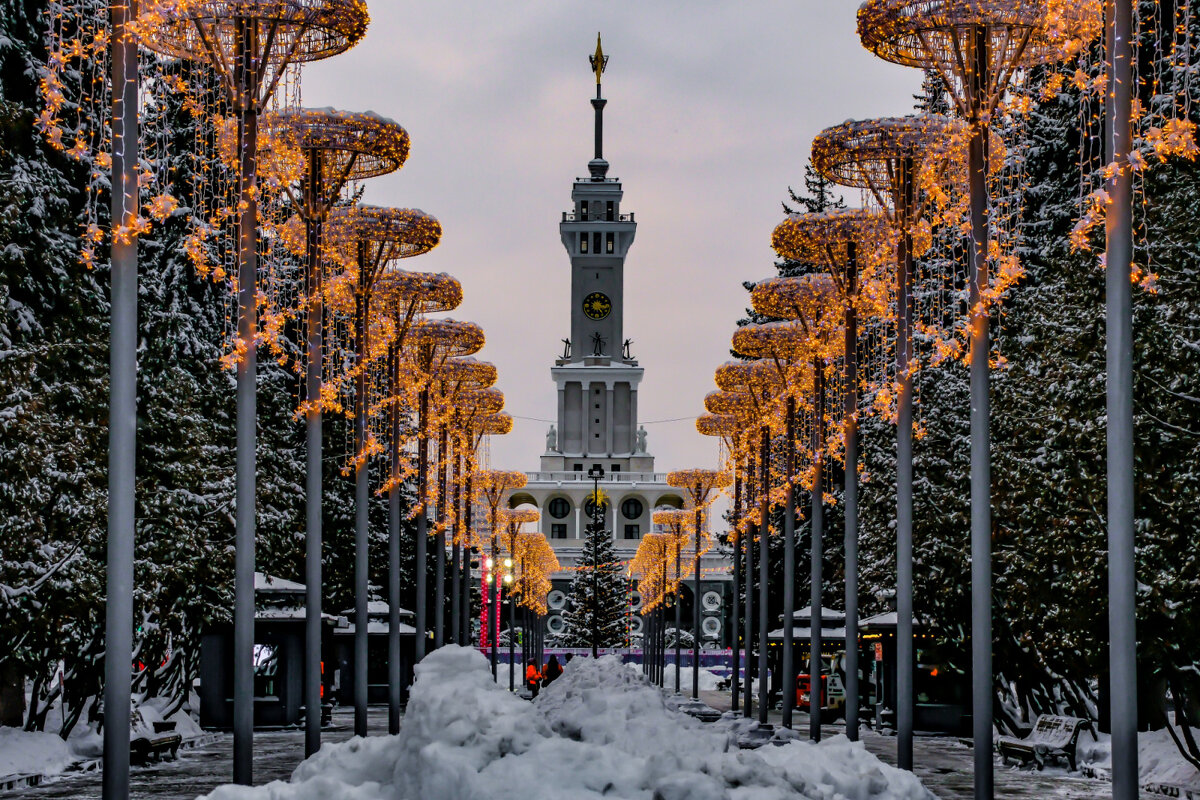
[{"x": 270, "y": 583}]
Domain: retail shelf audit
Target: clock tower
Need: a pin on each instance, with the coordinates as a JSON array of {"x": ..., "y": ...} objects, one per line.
[{"x": 596, "y": 375}]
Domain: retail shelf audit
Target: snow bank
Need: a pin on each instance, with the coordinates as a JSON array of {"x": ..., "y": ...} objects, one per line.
[
  {"x": 31, "y": 752},
  {"x": 600, "y": 730},
  {"x": 709, "y": 680},
  {"x": 1159, "y": 760}
]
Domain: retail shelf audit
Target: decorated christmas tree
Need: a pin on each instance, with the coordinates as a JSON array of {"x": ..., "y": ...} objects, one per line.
[{"x": 597, "y": 609}]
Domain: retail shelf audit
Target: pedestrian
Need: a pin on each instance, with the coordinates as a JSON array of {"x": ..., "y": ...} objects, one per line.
[
  {"x": 569, "y": 657},
  {"x": 552, "y": 671},
  {"x": 533, "y": 678}
]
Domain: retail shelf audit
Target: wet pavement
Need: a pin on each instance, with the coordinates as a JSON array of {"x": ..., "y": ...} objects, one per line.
[
  {"x": 198, "y": 771},
  {"x": 946, "y": 767}
]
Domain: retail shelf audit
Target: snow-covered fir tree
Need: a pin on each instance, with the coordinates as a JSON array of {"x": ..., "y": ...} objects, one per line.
[{"x": 598, "y": 601}]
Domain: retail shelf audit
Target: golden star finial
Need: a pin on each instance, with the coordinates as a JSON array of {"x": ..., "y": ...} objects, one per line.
[{"x": 598, "y": 60}]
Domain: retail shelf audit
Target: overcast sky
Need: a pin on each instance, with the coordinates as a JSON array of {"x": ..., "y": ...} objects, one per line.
[{"x": 711, "y": 110}]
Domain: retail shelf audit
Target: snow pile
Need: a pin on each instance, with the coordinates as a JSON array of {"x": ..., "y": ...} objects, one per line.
[
  {"x": 709, "y": 680},
  {"x": 1159, "y": 761},
  {"x": 600, "y": 730},
  {"x": 33, "y": 752}
]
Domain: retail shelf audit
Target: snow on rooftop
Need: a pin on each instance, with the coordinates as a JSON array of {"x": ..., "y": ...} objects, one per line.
[{"x": 270, "y": 583}]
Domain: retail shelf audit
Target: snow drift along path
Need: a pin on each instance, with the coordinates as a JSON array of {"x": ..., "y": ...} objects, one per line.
[{"x": 599, "y": 731}]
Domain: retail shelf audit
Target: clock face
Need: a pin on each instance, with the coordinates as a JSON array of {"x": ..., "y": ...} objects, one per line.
[{"x": 597, "y": 305}]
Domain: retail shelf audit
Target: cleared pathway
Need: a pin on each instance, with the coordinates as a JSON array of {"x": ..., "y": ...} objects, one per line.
[{"x": 199, "y": 771}]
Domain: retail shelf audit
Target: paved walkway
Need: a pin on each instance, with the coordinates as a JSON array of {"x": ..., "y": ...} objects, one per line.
[
  {"x": 945, "y": 765},
  {"x": 199, "y": 771}
]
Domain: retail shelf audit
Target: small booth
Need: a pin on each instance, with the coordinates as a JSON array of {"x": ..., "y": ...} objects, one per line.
[
  {"x": 833, "y": 650},
  {"x": 941, "y": 693},
  {"x": 377, "y": 654},
  {"x": 279, "y": 647}
]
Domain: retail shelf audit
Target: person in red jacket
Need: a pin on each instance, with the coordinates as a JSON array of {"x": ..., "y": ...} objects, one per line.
[
  {"x": 553, "y": 670},
  {"x": 533, "y": 677}
]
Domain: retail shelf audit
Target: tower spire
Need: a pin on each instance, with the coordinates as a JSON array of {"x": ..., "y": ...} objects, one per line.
[{"x": 598, "y": 166}]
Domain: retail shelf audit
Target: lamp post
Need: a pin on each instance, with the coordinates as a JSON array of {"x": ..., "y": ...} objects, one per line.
[{"x": 595, "y": 472}]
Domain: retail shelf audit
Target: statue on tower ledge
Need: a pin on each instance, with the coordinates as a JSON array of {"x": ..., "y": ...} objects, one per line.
[{"x": 552, "y": 440}]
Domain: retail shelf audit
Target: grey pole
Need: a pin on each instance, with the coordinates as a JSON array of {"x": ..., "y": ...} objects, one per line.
[
  {"x": 850, "y": 420},
  {"x": 789, "y": 570},
  {"x": 748, "y": 695},
  {"x": 422, "y": 521},
  {"x": 763, "y": 550},
  {"x": 981, "y": 478},
  {"x": 394, "y": 687},
  {"x": 122, "y": 426},
  {"x": 815, "y": 620},
  {"x": 361, "y": 495},
  {"x": 678, "y": 607},
  {"x": 439, "y": 542},
  {"x": 468, "y": 508},
  {"x": 246, "y": 102},
  {"x": 512, "y": 634},
  {"x": 1122, "y": 602},
  {"x": 735, "y": 655},
  {"x": 493, "y": 616},
  {"x": 455, "y": 555},
  {"x": 904, "y": 473},
  {"x": 314, "y": 221},
  {"x": 695, "y": 605}
]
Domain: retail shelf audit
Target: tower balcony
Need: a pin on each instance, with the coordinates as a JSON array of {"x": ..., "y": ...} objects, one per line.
[{"x": 571, "y": 216}]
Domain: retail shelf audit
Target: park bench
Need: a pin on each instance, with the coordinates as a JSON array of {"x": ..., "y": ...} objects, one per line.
[
  {"x": 160, "y": 743},
  {"x": 1052, "y": 737}
]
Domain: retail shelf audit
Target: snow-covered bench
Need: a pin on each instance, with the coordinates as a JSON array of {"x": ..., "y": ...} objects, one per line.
[
  {"x": 1052, "y": 737},
  {"x": 163, "y": 743}
]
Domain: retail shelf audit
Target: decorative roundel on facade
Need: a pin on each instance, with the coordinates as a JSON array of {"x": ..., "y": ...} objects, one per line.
[
  {"x": 635, "y": 600},
  {"x": 558, "y": 507},
  {"x": 632, "y": 508},
  {"x": 711, "y": 626},
  {"x": 635, "y": 625},
  {"x": 711, "y": 601},
  {"x": 555, "y": 624},
  {"x": 597, "y": 305},
  {"x": 557, "y": 599}
]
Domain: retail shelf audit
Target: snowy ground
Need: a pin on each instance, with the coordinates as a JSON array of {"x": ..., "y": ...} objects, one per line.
[
  {"x": 708, "y": 680},
  {"x": 598, "y": 731}
]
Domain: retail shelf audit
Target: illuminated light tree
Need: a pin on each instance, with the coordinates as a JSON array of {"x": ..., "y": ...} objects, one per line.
[
  {"x": 513, "y": 519},
  {"x": 536, "y": 562},
  {"x": 250, "y": 44},
  {"x": 456, "y": 376},
  {"x": 752, "y": 388},
  {"x": 904, "y": 162},
  {"x": 398, "y": 298},
  {"x": 476, "y": 414},
  {"x": 744, "y": 410},
  {"x": 377, "y": 237},
  {"x": 338, "y": 148},
  {"x": 494, "y": 486},
  {"x": 835, "y": 240},
  {"x": 730, "y": 429},
  {"x": 650, "y": 567},
  {"x": 977, "y": 47},
  {"x": 674, "y": 523},
  {"x": 701, "y": 486},
  {"x": 427, "y": 346}
]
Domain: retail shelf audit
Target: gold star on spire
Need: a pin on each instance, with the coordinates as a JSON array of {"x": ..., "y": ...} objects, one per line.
[{"x": 599, "y": 60}]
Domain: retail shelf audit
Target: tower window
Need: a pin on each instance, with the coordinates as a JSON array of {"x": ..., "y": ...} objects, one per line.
[
  {"x": 596, "y": 242},
  {"x": 632, "y": 508},
  {"x": 558, "y": 531},
  {"x": 633, "y": 531},
  {"x": 583, "y": 242},
  {"x": 583, "y": 209},
  {"x": 609, "y": 211},
  {"x": 578, "y": 467},
  {"x": 610, "y": 242}
]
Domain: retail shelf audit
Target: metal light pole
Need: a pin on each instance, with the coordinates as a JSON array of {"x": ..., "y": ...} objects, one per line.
[
  {"x": 789, "y": 567},
  {"x": 1122, "y": 586},
  {"x": 122, "y": 430},
  {"x": 699, "y": 492},
  {"x": 818, "y": 531},
  {"x": 595, "y": 472}
]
